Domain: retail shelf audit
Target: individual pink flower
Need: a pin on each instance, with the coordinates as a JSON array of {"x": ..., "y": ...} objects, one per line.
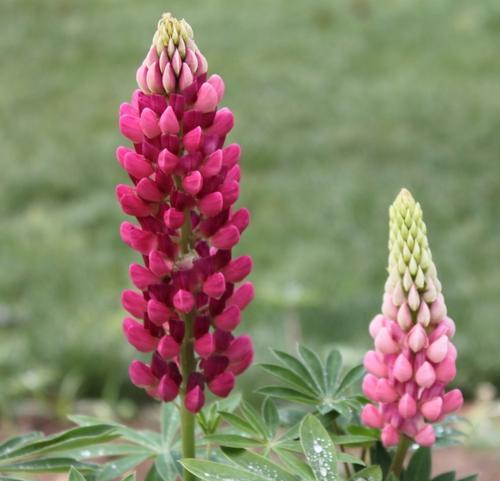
[
  {"x": 184, "y": 185},
  {"x": 414, "y": 358}
]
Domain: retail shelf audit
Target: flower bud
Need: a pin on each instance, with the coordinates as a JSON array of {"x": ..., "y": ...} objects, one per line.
[
  {"x": 158, "y": 312},
  {"x": 426, "y": 436},
  {"x": 417, "y": 338},
  {"x": 149, "y": 123},
  {"x": 212, "y": 164},
  {"x": 205, "y": 345},
  {"x": 215, "y": 285},
  {"x": 136, "y": 165},
  {"x": 222, "y": 384},
  {"x": 228, "y": 319},
  {"x": 194, "y": 399},
  {"x": 130, "y": 128},
  {"x": 211, "y": 204},
  {"x": 167, "y": 389},
  {"x": 134, "y": 303},
  {"x": 173, "y": 218},
  {"x": 168, "y": 347},
  {"x": 193, "y": 182},
  {"x": 372, "y": 417},
  {"x": 242, "y": 296},
  {"x": 183, "y": 301},
  {"x": 425, "y": 375},
  {"x": 402, "y": 369},
  {"x": 226, "y": 237},
  {"x": 207, "y": 98},
  {"x": 384, "y": 342},
  {"x": 167, "y": 161},
  {"x": 389, "y": 436},
  {"x": 238, "y": 269},
  {"x": 142, "y": 277},
  {"x": 374, "y": 363},
  {"x": 452, "y": 401},
  {"x": 192, "y": 140},
  {"x": 138, "y": 336},
  {"x": 140, "y": 374},
  {"x": 437, "y": 351},
  {"x": 168, "y": 122},
  {"x": 407, "y": 406},
  {"x": 222, "y": 124},
  {"x": 159, "y": 263},
  {"x": 432, "y": 409}
]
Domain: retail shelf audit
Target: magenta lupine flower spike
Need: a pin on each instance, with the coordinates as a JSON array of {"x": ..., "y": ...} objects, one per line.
[
  {"x": 414, "y": 358},
  {"x": 184, "y": 185}
]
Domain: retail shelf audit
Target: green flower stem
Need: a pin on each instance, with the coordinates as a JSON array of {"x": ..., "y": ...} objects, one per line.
[
  {"x": 337, "y": 431},
  {"x": 188, "y": 419},
  {"x": 399, "y": 457}
]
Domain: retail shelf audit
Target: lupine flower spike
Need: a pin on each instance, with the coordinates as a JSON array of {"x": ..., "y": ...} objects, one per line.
[
  {"x": 185, "y": 182},
  {"x": 414, "y": 358}
]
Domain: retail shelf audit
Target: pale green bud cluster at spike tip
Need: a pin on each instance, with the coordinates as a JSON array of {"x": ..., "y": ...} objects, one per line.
[
  {"x": 173, "y": 34},
  {"x": 412, "y": 282}
]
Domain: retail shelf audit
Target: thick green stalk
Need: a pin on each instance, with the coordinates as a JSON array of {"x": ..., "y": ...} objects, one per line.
[
  {"x": 337, "y": 431},
  {"x": 399, "y": 457},
  {"x": 188, "y": 419}
]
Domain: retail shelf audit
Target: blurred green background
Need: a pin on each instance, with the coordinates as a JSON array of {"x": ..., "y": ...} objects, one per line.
[{"x": 338, "y": 104}]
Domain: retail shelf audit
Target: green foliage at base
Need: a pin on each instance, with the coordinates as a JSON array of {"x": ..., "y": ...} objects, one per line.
[{"x": 338, "y": 104}]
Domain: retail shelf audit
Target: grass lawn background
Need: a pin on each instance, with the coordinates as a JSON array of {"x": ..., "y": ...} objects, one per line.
[{"x": 338, "y": 105}]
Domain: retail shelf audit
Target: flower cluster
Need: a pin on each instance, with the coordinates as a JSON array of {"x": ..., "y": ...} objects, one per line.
[
  {"x": 414, "y": 357},
  {"x": 184, "y": 186}
]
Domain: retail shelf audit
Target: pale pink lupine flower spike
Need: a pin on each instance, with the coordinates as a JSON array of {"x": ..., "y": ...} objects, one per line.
[
  {"x": 414, "y": 358},
  {"x": 185, "y": 182}
]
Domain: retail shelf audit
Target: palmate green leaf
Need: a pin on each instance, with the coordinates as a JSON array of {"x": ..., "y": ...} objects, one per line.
[
  {"x": 75, "y": 475},
  {"x": 130, "y": 477},
  {"x": 170, "y": 423},
  {"x": 253, "y": 418},
  {"x": 352, "y": 377},
  {"x": 294, "y": 464},
  {"x": 257, "y": 464},
  {"x": 115, "y": 468},
  {"x": 271, "y": 417},
  {"x": 319, "y": 449},
  {"x": 152, "y": 474},
  {"x": 349, "y": 458},
  {"x": 211, "y": 471},
  {"x": 313, "y": 364},
  {"x": 420, "y": 466},
  {"x": 472, "y": 477},
  {"x": 362, "y": 431},
  {"x": 234, "y": 441},
  {"x": 107, "y": 449},
  {"x": 48, "y": 465},
  {"x": 18, "y": 441},
  {"x": 148, "y": 439},
  {"x": 73, "y": 438},
  {"x": 373, "y": 473},
  {"x": 8, "y": 478},
  {"x": 289, "y": 377},
  {"x": 297, "y": 367},
  {"x": 352, "y": 439},
  {"x": 333, "y": 367},
  {"x": 239, "y": 423},
  {"x": 287, "y": 394},
  {"x": 449, "y": 476},
  {"x": 166, "y": 467}
]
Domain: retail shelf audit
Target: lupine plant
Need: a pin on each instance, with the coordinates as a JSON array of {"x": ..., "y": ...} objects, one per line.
[
  {"x": 316, "y": 422},
  {"x": 184, "y": 185}
]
